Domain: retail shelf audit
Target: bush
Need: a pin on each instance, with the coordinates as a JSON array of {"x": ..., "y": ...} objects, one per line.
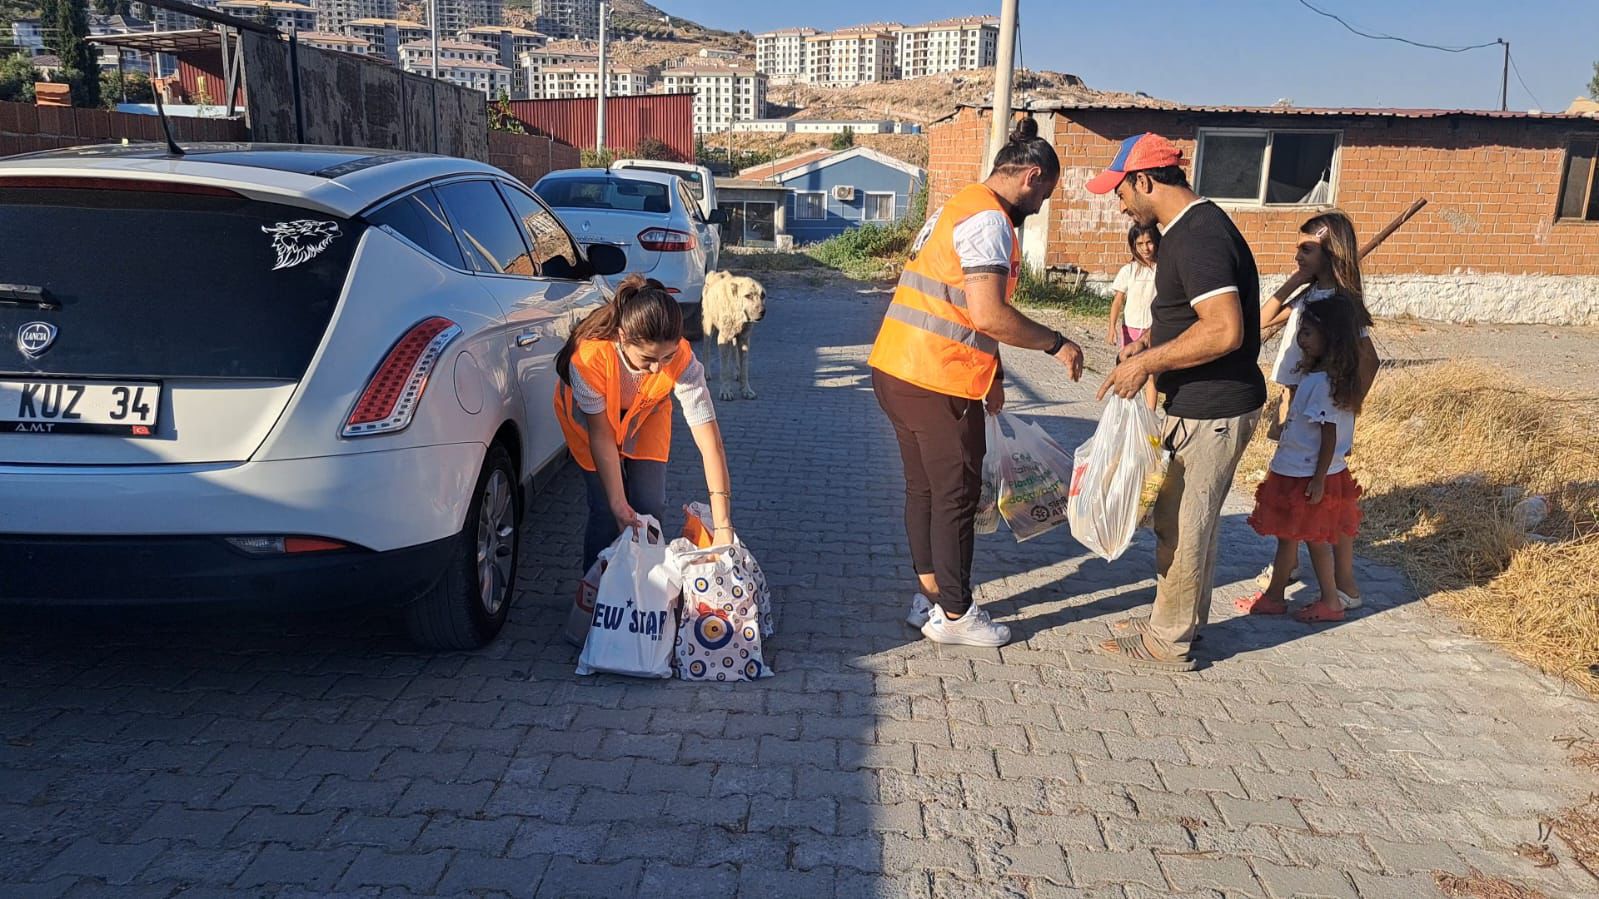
[
  {"x": 868, "y": 252},
  {"x": 17, "y": 76},
  {"x": 137, "y": 85},
  {"x": 651, "y": 148},
  {"x": 1034, "y": 289},
  {"x": 596, "y": 159}
]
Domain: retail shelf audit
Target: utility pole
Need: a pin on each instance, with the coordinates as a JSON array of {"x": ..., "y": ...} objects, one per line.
[
  {"x": 1004, "y": 75},
  {"x": 1504, "y": 80},
  {"x": 433, "y": 26},
  {"x": 605, "y": 82}
]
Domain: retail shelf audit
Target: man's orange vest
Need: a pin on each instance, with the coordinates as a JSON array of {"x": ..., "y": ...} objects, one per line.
[
  {"x": 643, "y": 431},
  {"x": 927, "y": 338}
]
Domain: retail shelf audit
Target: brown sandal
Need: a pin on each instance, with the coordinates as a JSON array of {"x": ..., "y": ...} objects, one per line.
[{"x": 1139, "y": 624}]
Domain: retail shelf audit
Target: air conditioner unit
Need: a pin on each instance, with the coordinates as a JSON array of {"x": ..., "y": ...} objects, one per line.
[{"x": 844, "y": 193}]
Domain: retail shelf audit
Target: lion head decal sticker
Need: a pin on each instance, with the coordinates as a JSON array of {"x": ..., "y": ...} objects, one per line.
[{"x": 300, "y": 241}]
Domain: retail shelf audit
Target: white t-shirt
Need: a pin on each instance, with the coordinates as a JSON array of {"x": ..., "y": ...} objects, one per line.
[
  {"x": 1137, "y": 280},
  {"x": 1289, "y": 355},
  {"x": 983, "y": 241},
  {"x": 1300, "y": 444},
  {"x": 690, "y": 391}
]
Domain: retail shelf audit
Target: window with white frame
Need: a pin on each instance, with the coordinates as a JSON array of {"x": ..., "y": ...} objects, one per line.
[
  {"x": 810, "y": 206},
  {"x": 879, "y": 207},
  {"x": 1267, "y": 166}
]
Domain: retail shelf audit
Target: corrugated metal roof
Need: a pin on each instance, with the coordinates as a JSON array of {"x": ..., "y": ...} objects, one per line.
[
  {"x": 1371, "y": 112},
  {"x": 779, "y": 166}
]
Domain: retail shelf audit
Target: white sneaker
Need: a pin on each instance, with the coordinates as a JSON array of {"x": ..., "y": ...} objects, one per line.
[
  {"x": 920, "y": 607},
  {"x": 1350, "y": 602},
  {"x": 972, "y": 629}
]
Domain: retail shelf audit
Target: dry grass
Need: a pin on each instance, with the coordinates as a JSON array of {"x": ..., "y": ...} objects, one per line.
[
  {"x": 1445, "y": 452},
  {"x": 1578, "y": 827},
  {"x": 1477, "y": 885}
]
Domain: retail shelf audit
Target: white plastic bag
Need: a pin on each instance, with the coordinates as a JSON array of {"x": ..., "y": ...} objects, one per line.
[
  {"x": 726, "y": 613},
  {"x": 1035, "y": 474},
  {"x": 988, "y": 504},
  {"x": 1109, "y": 474},
  {"x": 633, "y": 626}
]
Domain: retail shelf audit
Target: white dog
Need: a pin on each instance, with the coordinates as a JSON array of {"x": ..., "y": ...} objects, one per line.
[{"x": 731, "y": 307}]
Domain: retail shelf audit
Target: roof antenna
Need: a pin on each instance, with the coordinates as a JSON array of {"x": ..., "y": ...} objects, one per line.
[{"x": 166, "y": 126}]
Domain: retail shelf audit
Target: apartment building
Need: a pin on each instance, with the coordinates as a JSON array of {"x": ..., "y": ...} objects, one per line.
[
  {"x": 335, "y": 16},
  {"x": 850, "y": 57},
  {"x": 417, "y": 56},
  {"x": 574, "y": 82},
  {"x": 343, "y": 43},
  {"x": 532, "y": 64},
  {"x": 722, "y": 96},
  {"x": 780, "y": 55},
  {"x": 385, "y": 37},
  {"x": 954, "y": 45},
  {"x": 280, "y": 15},
  {"x": 578, "y": 19},
  {"x": 456, "y": 16}
]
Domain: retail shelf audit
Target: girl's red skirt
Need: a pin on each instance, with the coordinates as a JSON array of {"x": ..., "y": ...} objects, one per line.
[{"x": 1283, "y": 511}]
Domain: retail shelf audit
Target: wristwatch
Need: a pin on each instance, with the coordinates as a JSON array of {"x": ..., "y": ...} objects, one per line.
[{"x": 1060, "y": 342}]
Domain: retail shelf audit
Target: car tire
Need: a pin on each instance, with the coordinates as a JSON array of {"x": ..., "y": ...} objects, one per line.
[{"x": 471, "y": 601}]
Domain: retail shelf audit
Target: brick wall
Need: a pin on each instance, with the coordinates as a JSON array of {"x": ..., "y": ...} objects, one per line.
[
  {"x": 1491, "y": 186},
  {"x": 25, "y": 128},
  {"x": 530, "y": 157}
]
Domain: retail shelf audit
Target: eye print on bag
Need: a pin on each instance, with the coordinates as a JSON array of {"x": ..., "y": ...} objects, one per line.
[{"x": 300, "y": 241}]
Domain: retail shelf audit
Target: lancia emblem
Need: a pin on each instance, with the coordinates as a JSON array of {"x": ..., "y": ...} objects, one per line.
[{"x": 34, "y": 338}]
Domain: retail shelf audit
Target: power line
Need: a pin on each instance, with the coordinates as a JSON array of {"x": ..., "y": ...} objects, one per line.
[
  {"x": 1389, "y": 37},
  {"x": 1517, "y": 70}
]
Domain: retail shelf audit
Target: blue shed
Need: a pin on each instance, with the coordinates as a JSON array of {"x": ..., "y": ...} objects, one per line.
[{"x": 842, "y": 191}]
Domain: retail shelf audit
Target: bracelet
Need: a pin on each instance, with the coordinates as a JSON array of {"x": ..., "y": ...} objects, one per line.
[
  {"x": 721, "y": 493},
  {"x": 1060, "y": 342}
]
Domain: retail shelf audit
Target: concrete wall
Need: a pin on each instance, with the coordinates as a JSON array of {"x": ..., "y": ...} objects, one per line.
[
  {"x": 347, "y": 100},
  {"x": 1486, "y": 248},
  {"x": 25, "y": 128}
]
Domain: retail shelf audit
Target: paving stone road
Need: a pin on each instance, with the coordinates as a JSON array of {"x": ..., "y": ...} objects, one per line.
[{"x": 320, "y": 756}]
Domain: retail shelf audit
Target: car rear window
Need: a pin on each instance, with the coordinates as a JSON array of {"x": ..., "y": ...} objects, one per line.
[
  {"x": 156, "y": 283},
  {"x": 696, "y": 183},
  {"x": 606, "y": 193}
]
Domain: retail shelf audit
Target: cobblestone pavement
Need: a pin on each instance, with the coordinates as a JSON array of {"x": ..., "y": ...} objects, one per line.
[{"x": 254, "y": 756}]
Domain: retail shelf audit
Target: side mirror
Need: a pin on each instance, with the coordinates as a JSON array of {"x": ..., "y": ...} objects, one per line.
[
  {"x": 718, "y": 217},
  {"x": 605, "y": 259}
]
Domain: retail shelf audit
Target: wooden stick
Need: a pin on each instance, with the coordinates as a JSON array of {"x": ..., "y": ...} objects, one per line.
[{"x": 1393, "y": 226}]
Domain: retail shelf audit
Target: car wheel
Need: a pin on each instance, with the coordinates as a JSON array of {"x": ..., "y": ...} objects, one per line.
[{"x": 472, "y": 599}]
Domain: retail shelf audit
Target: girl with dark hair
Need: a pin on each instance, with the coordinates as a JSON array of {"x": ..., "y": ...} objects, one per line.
[
  {"x": 619, "y": 371},
  {"x": 1308, "y": 495},
  {"x": 1134, "y": 289}
]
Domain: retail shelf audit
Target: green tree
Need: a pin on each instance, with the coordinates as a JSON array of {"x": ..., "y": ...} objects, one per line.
[
  {"x": 17, "y": 76},
  {"x": 66, "y": 31},
  {"x": 1593, "y": 86},
  {"x": 114, "y": 7},
  {"x": 844, "y": 139},
  {"x": 501, "y": 118},
  {"x": 135, "y": 85}
]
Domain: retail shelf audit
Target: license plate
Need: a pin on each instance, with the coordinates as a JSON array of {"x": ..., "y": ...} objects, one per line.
[{"x": 126, "y": 409}]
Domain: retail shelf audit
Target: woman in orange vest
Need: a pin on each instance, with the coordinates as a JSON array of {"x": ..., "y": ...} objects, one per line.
[
  {"x": 619, "y": 371},
  {"x": 936, "y": 365}
]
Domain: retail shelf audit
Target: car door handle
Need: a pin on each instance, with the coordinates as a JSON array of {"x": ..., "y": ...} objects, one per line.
[{"x": 528, "y": 338}]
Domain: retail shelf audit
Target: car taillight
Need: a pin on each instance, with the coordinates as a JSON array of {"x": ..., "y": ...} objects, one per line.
[
  {"x": 393, "y": 391},
  {"x": 279, "y": 546},
  {"x": 665, "y": 240}
]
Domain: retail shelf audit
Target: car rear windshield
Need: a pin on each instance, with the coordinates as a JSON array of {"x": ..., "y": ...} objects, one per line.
[
  {"x": 160, "y": 282},
  {"x": 696, "y": 184},
  {"x": 606, "y": 193}
]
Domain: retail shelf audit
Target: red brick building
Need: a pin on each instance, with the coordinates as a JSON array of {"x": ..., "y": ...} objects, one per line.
[{"x": 1510, "y": 232}]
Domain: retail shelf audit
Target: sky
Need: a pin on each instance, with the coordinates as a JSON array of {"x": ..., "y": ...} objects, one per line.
[{"x": 1256, "y": 52}]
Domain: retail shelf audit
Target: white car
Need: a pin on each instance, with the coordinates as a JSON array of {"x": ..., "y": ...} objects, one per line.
[
  {"x": 278, "y": 373},
  {"x": 698, "y": 179},
  {"x": 650, "y": 216}
]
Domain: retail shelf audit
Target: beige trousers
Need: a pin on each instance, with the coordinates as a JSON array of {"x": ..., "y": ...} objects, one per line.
[{"x": 1187, "y": 519}]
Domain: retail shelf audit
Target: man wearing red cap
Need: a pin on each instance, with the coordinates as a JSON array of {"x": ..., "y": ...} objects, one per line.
[{"x": 1202, "y": 352}]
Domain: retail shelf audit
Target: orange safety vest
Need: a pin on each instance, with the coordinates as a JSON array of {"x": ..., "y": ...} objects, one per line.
[
  {"x": 643, "y": 431},
  {"x": 927, "y": 339}
]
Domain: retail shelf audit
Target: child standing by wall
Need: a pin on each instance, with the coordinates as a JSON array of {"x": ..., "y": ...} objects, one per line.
[
  {"x": 1309, "y": 494},
  {"x": 1134, "y": 290}
]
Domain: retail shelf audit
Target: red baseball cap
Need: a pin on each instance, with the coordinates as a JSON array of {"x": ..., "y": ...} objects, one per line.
[{"x": 1139, "y": 152}]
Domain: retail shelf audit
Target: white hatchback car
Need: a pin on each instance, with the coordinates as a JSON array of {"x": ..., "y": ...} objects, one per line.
[
  {"x": 288, "y": 374},
  {"x": 651, "y": 216}
]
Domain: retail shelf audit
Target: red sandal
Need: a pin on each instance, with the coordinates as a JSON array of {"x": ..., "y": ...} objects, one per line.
[{"x": 1258, "y": 604}]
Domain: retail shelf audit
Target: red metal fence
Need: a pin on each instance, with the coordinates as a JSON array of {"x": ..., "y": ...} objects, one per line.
[{"x": 629, "y": 121}]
